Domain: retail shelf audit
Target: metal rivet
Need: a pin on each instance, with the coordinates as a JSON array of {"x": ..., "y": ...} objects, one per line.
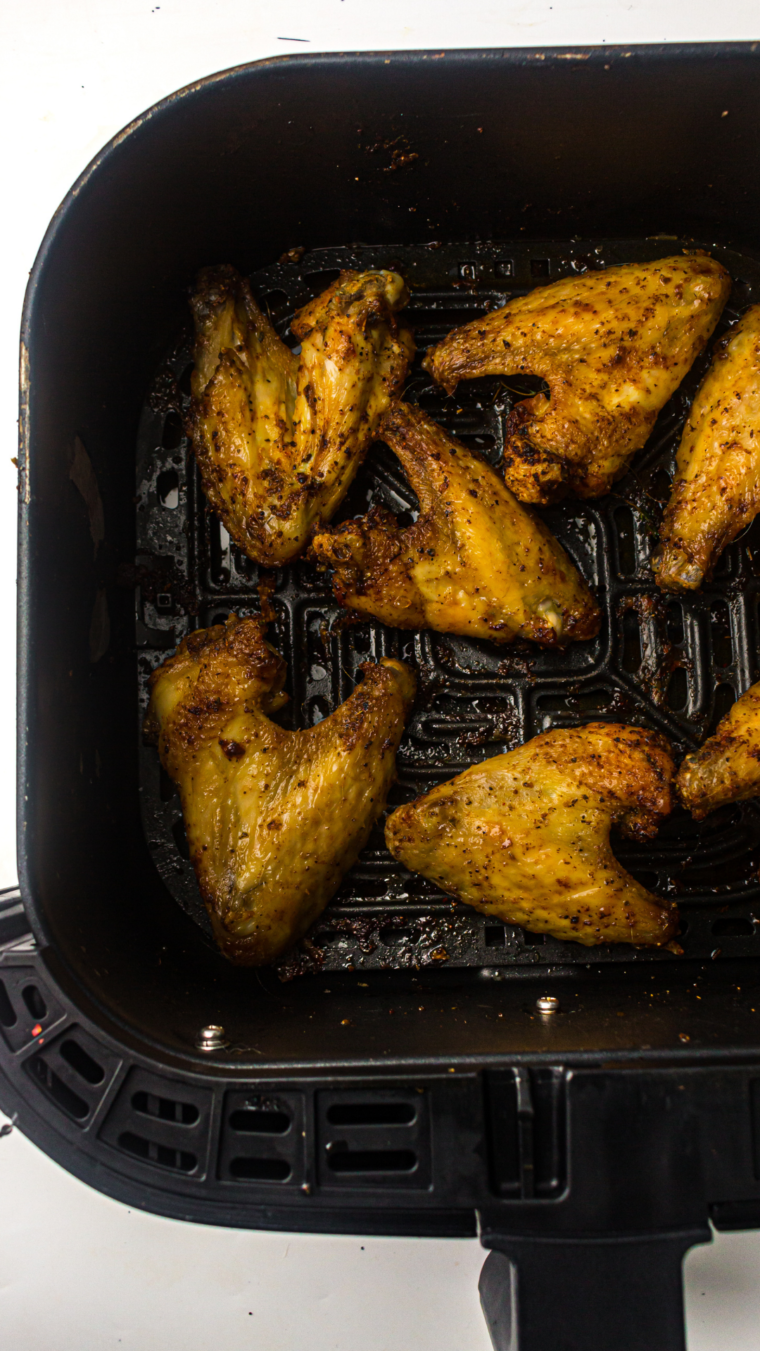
[
  {"x": 547, "y": 1003},
  {"x": 211, "y": 1038}
]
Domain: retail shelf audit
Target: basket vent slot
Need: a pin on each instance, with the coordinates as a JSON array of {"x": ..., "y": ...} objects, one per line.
[
  {"x": 25, "y": 1011},
  {"x": 7, "y": 1014},
  {"x": 343, "y": 1160},
  {"x": 260, "y": 1121},
  {"x": 181, "y": 1160},
  {"x": 74, "y": 1071},
  {"x": 34, "y": 1002},
  {"x": 166, "y": 1109},
  {"x": 735, "y": 927},
  {"x": 164, "y": 1123},
  {"x": 373, "y": 1138},
  {"x": 81, "y": 1062},
  {"x": 263, "y": 1138},
  {"x": 260, "y": 1170},
  {"x": 371, "y": 1114},
  {"x": 57, "y": 1089},
  {"x": 494, "y": 936}
]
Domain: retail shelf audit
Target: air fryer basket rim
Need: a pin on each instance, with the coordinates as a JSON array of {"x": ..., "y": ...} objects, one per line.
[{"x": 527, "y": 1127}]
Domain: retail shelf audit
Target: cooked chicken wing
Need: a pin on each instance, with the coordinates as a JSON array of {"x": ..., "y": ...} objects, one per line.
[
  {"x": 716, "y": 491},
  {"x": 525, "y": 836},
  {"x": 278, "y": 437},
  {"x": 273, "y": 818},
  {"x": 474, "y": 562},
  {"x": 612, "y": 346},
  {"x": 727, "y": 767}
]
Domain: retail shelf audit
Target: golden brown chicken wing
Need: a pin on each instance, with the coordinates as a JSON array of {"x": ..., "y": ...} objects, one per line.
[
  {"x": 727, "y": 767},
  {"x": 273, "y": 818},
  {"x": 278, "y": 438},
  {"x": 612, "y": 346},
  {"x": 716, "y": 491},
  {"x": 525, "y": 836},
  {"x": 474, "y": 562}
]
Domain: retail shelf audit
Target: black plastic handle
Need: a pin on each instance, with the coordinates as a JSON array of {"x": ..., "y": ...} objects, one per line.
[{"x": 587, "y": 1294}]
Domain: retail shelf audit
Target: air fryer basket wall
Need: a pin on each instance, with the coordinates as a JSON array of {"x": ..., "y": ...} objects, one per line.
[{"x": 545, "y": 147}]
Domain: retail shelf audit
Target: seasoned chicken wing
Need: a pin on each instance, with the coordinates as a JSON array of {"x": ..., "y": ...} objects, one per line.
[
  {"x": 273, "y": 818},
  {"x": 612, "y": 346},
  {"x": 278, "y": 437},
  {"x": 474, "y": 562},
  {"x": 727, "y": 767},
  {"x": 716, "y": 491},
  {"x": 525, "y": 836}
]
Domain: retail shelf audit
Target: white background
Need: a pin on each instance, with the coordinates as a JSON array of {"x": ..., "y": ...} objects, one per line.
[{"x": 79, "y": 1272}]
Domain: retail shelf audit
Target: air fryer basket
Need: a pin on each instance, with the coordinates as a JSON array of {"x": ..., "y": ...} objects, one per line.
[{"x": 409, "y": 1084}]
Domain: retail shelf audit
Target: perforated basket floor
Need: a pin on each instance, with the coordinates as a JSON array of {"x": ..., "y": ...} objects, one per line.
[{"x": 674, "y": 665}]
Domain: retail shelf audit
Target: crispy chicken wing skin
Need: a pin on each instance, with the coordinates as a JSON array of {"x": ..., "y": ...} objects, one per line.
[
  {"x": 475, "y": 561},
  {"x": 716, "y": 492},
  {"x": 727, "y": 767},
  {"x": 525, "y": 836},
  {"x": 612, "y": 346},
  {"x": 278, "y": 437},
  {"x": 273, "y": 818}
]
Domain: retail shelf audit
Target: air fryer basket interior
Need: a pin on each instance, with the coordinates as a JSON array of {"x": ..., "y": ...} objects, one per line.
[{"x": 544, "y": 162}]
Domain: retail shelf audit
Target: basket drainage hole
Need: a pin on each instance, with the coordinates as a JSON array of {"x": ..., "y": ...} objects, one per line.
[
  {"x": 166, "y": 1109},
  {"x": 533, "y": 940},
  {"x": 7, "y": 1015},
  {"x": 180, "y": 838},
  {"x": 623, "y": 517},
  {"x": 261, "y": 1170},
  {"x": 631, "y": 657},
  {"x": 82, "y": 1063},
  {"x": 393, "y": 935},
  {"x": 260, "y": 1121},
  {"x": 678, "y": 690},
  {"x": 274, "y": 300},
  {"x": 371, "y": 1114},
  {"x": 495, "y": 936},
  {"x": 167, "y": 488},
  {"x": 674, "y": 622},
  {"x": 539, "y": 267},
  {"x": 34, "y": 1002},
  {"x": 173, "y": 431},
  {"x": 504, "y": 267},
  {"x": 736, "y": 927},
  {"x": 341, "y": 1159}
]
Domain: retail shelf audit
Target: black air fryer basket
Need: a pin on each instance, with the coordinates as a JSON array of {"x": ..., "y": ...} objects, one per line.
[{"x": 398, "y": 1075}]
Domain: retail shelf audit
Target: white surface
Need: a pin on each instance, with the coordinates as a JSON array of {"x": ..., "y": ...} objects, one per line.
[{"x": 79, "y": 1272}]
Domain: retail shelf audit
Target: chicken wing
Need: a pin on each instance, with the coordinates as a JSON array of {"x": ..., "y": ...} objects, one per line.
[
  {"x": 525, "y": 836},
  {"x": 612, "y": 346},
  {"x": 273, "y": 818},
  {"x": 474, "y": 562},
  {"x": 278, "y": 438},
  {"x": 727, "y": 767},
  {"x": 716, "y": 491}
]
